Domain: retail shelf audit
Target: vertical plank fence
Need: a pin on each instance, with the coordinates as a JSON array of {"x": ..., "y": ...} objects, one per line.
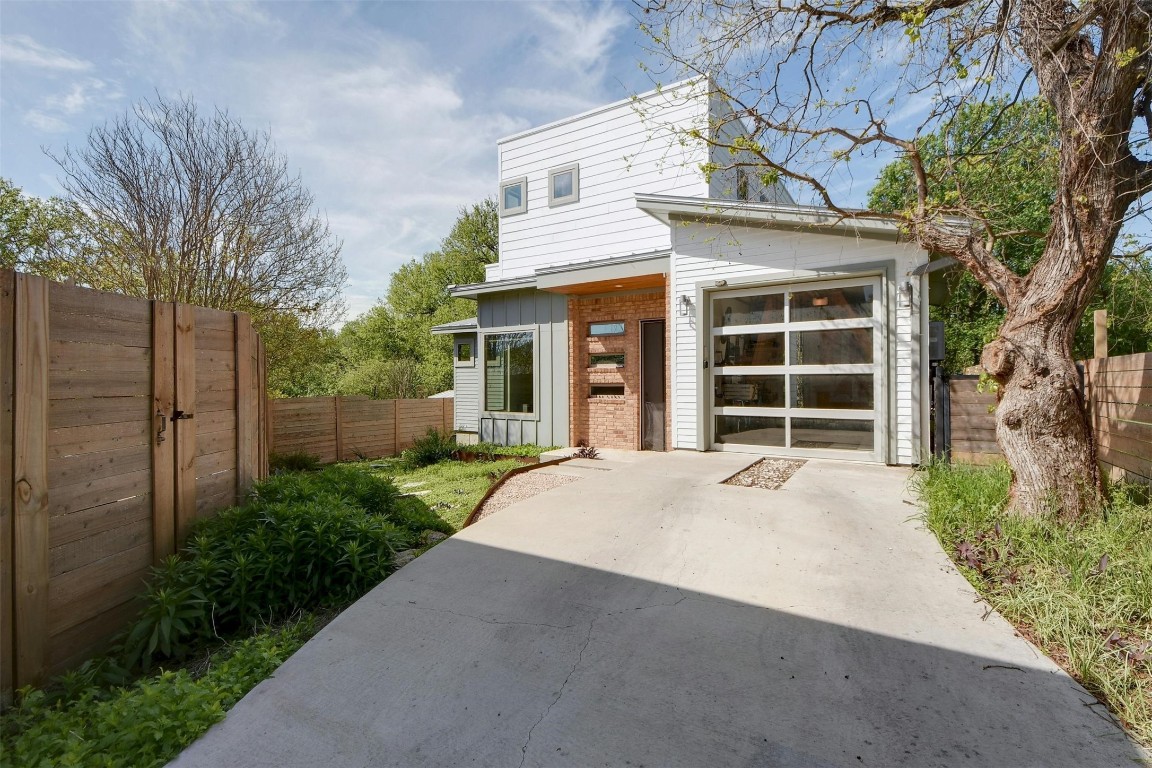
[
  {"x": 122, "y": 421},
  {"x": 350, "y": 428}
]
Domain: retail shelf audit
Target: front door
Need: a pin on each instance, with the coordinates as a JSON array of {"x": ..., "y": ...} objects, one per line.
[
  {"x": 652, "y": 385},
  {"x": 798, "y": 369}
]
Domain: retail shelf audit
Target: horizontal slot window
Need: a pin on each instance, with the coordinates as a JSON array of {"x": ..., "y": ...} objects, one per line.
[
  {"x": 750, "y": 430},
  {"x": 835, "y": 434},
  {"x": 606, "y": 361},
  {"x": 607, "y": 390},
  {"x": 750, "y": 349},
  {"x": 607, "y": 328},
  {"x": 748, "y": 310},
  {"x": 850, "y": 391},
  {"x": 753, "y": 391}
]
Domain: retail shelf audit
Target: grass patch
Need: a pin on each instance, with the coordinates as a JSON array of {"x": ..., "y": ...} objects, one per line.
[
  {"x": 453, "y": 487},
  {"x": 148, "y": 722},
  {"x": 491, "y": 450},
  {"x": 1082, "y": 593}
]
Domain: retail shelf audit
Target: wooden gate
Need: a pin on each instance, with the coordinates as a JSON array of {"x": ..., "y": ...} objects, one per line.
[{"x": 122, "y": 421}]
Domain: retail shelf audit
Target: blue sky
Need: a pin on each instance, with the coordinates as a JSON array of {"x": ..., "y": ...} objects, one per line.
[{"x": 389, "y": 111}]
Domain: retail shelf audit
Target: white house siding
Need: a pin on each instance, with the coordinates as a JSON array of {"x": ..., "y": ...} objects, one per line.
[
  {"x": 546, "y": 314},
  {"x": 704, "y": 253},
  {"x": 466, "y": 402},
  {"x": 623, "y": 148}
]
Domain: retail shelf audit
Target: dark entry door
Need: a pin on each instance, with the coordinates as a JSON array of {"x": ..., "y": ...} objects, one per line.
[{"x": 652, "y": 385}]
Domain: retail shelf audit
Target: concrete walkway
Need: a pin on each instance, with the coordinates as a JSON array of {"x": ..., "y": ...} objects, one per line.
[{"x": 646, "y": 615}]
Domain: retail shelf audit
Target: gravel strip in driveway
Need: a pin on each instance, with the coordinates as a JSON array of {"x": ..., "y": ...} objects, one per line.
[
  {"x": 766, "y": 473},
  {"x": 521, "y": 487}
]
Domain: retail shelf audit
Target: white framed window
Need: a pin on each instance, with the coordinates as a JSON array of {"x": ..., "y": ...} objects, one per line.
[
  {"x": 465, "y": 353},
  {"x": 514, "y": 196},
  {"x": 564, "y": 185}
]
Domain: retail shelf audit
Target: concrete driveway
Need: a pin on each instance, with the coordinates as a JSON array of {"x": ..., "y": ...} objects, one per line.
[{"x": 647, "y": 615}]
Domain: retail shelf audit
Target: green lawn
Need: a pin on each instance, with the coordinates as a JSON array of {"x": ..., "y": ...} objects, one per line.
[
  {"x": 452, "y": 488},
  {"x": 1082, "y": 593}
]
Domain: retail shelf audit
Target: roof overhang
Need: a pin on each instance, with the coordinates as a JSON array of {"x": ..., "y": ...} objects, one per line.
[
  {"x": 671, "y": 208},
  {"x": 473, "y": 290},
  {"x": 458, "y": 326},
  {"x": 624, "y": 273}
]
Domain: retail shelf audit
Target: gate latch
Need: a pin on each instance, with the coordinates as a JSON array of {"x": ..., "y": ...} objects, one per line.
[{"x": 177, "y": 415}]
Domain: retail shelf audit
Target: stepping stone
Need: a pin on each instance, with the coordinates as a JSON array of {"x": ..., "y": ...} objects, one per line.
[
  {"x": 415, "y": 493},
  {"x": 412, "y": 485}
]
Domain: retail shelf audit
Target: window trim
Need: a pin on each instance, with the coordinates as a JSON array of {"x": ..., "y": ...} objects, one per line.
[
  {"x": 456, "y": 361},
  {"x": 553, "y": 200},
  {"x": 522, "y": 181},
  {"x": 482, "y": 357}
]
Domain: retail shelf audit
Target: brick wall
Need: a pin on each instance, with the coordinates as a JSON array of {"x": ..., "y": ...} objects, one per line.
[{"x": 611, "y": 422}]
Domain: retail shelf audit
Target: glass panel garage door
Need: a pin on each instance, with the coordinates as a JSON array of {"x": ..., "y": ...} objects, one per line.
[{"x": 798, "y": 369}]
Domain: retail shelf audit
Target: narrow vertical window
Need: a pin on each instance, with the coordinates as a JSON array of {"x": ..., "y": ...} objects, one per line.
[{"x": 509, "y": 382}]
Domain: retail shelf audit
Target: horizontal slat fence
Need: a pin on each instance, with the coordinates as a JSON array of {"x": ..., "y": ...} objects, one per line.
[
  {"x": 973, "y": 423},
  {"x": 1118, "y": 392},
  {"x": 349, "y": 428},
  {"x": 98, "y": 477}
]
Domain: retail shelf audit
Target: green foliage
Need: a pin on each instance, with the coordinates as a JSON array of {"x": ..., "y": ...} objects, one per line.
[
  {"x": 33, "y": 231},
  {"x": 491, "y": 450},
  {"x": 148, "y": 722},
  {"x": 302, "y": 540},
  {"x": 430, "y": 449},
  {"x": 450, "y": 489},
  {"x": 1001, "y": 159},
  {"x": 1083, "y": 593},
  {"x": 299, "y": 461},
  {"x": 301, "y": 356}
]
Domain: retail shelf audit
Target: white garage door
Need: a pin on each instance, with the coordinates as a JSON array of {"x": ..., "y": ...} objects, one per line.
[{"x": 798, "y": 369}]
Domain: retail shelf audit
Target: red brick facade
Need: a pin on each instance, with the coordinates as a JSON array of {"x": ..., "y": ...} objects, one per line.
[{"x": 612, "y": 422}]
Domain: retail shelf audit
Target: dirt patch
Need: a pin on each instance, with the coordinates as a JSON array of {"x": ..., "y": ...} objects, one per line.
[
  {"x": 766, "y": 473},
  {"x": 521, "y": 487}
]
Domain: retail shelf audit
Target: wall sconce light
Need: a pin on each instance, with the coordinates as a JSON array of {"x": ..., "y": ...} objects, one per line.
[
  {"x": 904, "y": 295},
  {"x": 685, "y": 305},
  {"x": 820, "y": 301},
  {"x": 721, "y": 283}
]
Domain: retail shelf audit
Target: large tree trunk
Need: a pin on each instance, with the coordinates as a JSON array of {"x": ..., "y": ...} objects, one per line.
[{"x": 1041, "y": 423}]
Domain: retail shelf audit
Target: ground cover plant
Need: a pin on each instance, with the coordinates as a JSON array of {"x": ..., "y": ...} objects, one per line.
[
  {"x": 449, "y": 490},
  {"x": 491, "y": 450},
  {"x": 302, "y": 543},
  {"x": 1082, "y": 592}
]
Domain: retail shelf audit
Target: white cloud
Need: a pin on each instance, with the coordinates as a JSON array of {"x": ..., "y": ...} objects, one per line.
[
  {"x": 23, "y": 50},
  {"x": 44, "y": 122},
  {"x": 173, "y": 32}
]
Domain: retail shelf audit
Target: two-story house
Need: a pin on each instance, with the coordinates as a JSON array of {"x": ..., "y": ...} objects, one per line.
[{"x": 642, "y": 303}]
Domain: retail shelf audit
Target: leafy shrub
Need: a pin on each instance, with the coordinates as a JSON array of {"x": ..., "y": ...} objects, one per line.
[
  {"x": 490, "y": 451},
  {"x": 148, "y": 722},
  {"x": 585, "y": 451},
  {"x": 261, "y": 562},
  {"x": 430, "y": 449},
  {"x": 375, "y": 494},
  {"x": 298, "y": 461}
]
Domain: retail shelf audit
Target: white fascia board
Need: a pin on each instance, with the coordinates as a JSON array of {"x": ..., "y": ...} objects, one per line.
[
  {"x": 665, "y": 207},
  {"x": 476, "y": 289},
  {"x": 608, "y": 269}
]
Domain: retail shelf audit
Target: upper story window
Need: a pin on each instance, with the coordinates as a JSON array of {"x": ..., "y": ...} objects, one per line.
[
  {"x": 741, "y": 184},
  {"x": 514, "y": 196},
  {"x": 564, "y": 185}
]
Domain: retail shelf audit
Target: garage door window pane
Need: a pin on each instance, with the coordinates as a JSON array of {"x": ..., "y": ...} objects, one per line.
[
  {"x": 750, "y": 349},
  {"x": 836, "y": 434},
  {"x": 839, "y": 347},
  {"x": 748, "y": 310},
  {"x": 831, "y": 304},
  {"x": 750, "y": 430},
  {"x": 755, "y": 391},
  {"x": 844, "y": 391}
]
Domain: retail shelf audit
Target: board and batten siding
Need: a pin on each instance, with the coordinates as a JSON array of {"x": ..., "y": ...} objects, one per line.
[
  {"x": 546, "y": 314},
  {"x": 466, "y": 379},
  {"x": 623, "y": 148},
  {"x": 705, "y": 253}
]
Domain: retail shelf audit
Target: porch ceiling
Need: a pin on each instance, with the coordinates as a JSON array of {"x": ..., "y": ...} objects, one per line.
[{"x": 637, "y": 282}]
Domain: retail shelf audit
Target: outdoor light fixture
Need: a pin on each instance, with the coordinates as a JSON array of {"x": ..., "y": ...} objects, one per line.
[
  {"x": 685, "y": 305},
  {"x": 721, "y": 283},
  {"x": 904, "y": 295},
  {"x": 820, "y": 301}
]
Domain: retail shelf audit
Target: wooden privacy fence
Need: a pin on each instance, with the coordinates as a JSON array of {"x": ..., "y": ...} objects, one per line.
[
  {"x": 348, "y": 428},
  {"x": 122, "y": 421},
  {"x": 1118, "y": 393}
]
